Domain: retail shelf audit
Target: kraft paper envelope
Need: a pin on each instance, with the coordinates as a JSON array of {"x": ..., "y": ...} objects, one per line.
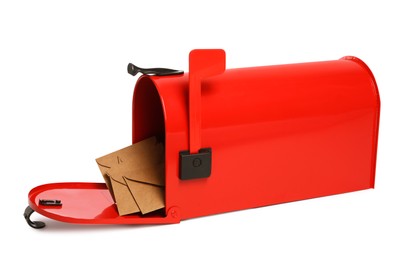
[{"x": 135, "y": 176}]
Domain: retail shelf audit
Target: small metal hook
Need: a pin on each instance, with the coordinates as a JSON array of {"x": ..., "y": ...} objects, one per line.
[{"x": 34, "y": 224}]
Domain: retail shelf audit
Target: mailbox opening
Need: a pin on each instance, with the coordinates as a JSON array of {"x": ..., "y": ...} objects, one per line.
[
  {"x": 147, "y": 112},
  {"x": 148, "y": 117}
]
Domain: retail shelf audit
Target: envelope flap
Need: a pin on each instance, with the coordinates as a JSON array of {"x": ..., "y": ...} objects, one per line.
[{"x": 143, "y": 161}]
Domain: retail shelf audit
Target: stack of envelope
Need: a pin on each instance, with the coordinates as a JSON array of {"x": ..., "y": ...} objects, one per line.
[{"x": 135, "y": 176}]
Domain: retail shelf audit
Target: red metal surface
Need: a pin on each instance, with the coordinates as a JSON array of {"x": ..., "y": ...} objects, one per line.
[
  {"x": 277, "y": 133},
  {"x": 202, "y": 65}
]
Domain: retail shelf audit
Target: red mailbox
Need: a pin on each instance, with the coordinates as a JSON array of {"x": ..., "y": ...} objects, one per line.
[{"x": 240, "y": 138}]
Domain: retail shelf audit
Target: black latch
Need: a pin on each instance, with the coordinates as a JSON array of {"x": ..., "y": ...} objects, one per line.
[
  {"x": 195, "y": 166},
  {"x": 50, "y": 202}
]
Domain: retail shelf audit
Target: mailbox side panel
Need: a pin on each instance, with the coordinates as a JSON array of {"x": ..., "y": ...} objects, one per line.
[{"x": 277, "y": 133}]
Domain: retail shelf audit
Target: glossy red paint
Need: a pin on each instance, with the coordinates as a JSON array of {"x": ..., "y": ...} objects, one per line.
[
  {"x": 89, "y": 203},
  {"x": 277, "y": 133}
]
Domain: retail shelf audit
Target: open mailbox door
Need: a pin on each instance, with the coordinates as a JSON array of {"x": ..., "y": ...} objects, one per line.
[
  {"x": 239, "y": 138},
  {"x": 86, "y": 203}
]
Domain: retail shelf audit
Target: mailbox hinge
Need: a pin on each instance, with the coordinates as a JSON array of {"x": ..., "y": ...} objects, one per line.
[{"x": 195, "y": 166}]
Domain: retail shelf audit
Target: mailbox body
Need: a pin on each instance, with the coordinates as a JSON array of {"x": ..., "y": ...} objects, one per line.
[{"x": 277, "y": 133}]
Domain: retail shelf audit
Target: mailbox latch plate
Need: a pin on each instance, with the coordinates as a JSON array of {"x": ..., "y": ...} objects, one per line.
[{"x": 195, "y": 166}]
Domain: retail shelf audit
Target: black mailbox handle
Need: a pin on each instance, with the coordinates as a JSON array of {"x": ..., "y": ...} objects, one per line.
[{"x": 134, "y": 70}]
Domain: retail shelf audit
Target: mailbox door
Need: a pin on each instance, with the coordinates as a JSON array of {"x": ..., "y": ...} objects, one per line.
[{"x": 89, "y": 203}]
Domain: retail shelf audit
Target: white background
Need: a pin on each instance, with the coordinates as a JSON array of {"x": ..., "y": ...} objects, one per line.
[{"x": 65, "y": 99}]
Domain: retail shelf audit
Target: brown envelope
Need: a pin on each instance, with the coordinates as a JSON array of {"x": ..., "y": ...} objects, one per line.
[{"x": 135, "y": 176}]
